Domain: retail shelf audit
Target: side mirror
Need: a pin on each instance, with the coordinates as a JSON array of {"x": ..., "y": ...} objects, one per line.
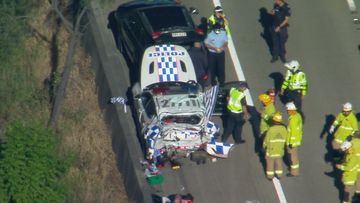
[{"x": 193, "y": 10}]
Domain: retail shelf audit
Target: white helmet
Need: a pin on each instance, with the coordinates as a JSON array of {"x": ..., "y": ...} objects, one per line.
[
  {"x": 293, "y": 65},
  {"x": 345, "y": 146},
  {"x": 347, "y": 106},
  {"x": 290, "y": 106}
]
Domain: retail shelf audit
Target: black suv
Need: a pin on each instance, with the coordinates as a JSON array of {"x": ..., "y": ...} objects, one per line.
[{"x": 140, "y": 24}]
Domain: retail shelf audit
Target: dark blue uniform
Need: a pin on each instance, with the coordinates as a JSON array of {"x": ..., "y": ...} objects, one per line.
[{"x": 279, "y": 38}]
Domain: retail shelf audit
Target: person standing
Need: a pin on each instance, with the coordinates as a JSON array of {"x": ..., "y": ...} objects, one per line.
[
  {"x": 279, "y": 33},
  {"x": 236, "y": 113},
  {"x": 294, "y": 87},
  {"x": 218, "y": 17},
  {"x": 349, "y": 169},
  {"x": 216, "y": 42},
  {"x": 274, "y": 147},
  {"x": 345, "y": 124},
  {"x": 266, "y": 114},
  {"x": 199, "y": 59},
  {"x": 294, "y": 128}
]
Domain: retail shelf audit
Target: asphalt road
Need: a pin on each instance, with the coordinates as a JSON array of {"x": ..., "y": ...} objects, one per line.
[{"x": 324, "y": 39}]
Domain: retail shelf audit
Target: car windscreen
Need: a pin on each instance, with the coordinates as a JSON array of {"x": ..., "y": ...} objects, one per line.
[
  {"x": 181, "y": 119},
  {"x": 170, "y": 88},
  {"x": 164, "y": 18}
]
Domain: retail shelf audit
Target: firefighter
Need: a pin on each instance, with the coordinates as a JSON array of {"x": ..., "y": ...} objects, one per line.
[
  {"x": 274, "y": 147},
  {"x": 345, "y": 125},
  {"x": 236, "y": 113},
  {"x": 294, "y": 138},
  {"x": 349, "y": 169},
  {"x": 266, "y": 113},
  {"x": 294, "y": 86},
  {"x": 355, "y": 142},
  {"x": 218, "y": 18}
]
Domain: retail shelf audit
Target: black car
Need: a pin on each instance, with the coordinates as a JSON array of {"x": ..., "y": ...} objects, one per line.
[{"x": 140, "y": 24}]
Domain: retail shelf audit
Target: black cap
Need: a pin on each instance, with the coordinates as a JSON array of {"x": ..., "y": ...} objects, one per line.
[
  {"x": 218, "y": 9},
  {"x": 243, "y": 84}
]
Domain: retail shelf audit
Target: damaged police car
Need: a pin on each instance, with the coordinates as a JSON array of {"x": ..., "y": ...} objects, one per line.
[{"x": 170, "y": 106}]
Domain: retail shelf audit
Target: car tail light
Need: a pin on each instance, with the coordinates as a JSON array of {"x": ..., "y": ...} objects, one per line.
[
  {"x": 199, "y": 31},
  {"x": 155, "y": 35}
]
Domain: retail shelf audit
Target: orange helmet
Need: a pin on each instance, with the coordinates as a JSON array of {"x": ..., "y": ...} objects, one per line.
[{"x": 264, "y": 98}]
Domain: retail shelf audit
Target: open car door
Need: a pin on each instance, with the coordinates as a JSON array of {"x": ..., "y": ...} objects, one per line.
[{"x": 220, "y": 105}]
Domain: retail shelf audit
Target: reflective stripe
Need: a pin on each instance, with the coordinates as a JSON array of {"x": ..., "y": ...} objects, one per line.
[
  {"x": 272, "y": 155},
  {"x": 339, "y": 141},
  {"x": 270, "y": 172},
  {"x": 295, "y": 166},
  {"x": 346, "y": 128},
  {"x": 279, "y": 172},
  {"x": 277, "y": 140},
  {"x": 349, "y": 182}
]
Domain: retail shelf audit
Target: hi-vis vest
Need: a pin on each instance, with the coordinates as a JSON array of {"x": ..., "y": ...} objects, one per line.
[
  {"x": 234, "y": 104},
  {"x": 212, "y": 21},
  {"x": 295, "y": 81}
]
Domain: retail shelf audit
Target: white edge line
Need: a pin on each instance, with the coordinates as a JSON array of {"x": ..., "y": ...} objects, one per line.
[
  {"x": 241, "y": 77},
  {"x": 351, "y": 5}
]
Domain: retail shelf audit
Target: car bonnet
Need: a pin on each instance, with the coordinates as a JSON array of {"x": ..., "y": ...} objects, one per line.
[{"x": 166, "y": 63}]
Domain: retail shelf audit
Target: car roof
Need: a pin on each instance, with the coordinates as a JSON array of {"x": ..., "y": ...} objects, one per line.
[
  {"x": 166, "y": 63},
  {"x": 133, "y": 5}
]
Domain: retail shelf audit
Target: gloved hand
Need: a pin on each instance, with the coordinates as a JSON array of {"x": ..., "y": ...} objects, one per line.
[{"x": 332, "y": 129}]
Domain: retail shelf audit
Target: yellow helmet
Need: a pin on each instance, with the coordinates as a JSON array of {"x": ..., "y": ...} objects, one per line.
[
  {"x": 264, "y": 98},
  {"x": 277, "y": 117}
]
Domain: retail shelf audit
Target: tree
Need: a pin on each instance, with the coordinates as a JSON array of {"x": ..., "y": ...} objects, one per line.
[
  {"x": 30, "y": 169},
  {"x": 75, "y": 32}
]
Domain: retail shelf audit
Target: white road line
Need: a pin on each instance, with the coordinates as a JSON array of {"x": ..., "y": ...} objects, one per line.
[
  {"x": 236, "y": 62},
  {"x": 351, "y": 5},
  {"x": 241, "y": 77},
  {"x": 279, "y": 190}
]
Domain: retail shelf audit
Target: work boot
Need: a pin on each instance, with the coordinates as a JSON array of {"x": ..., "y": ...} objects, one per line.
[
  {"x": 283, "y": 59},
  {"x": 274, "y": 59}
]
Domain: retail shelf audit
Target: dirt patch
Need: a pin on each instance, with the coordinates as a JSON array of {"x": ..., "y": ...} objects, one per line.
[{"x": 81, "y": 126}]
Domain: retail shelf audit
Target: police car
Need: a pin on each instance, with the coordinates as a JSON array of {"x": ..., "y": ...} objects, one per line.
[{"x": 170, "y": 106}]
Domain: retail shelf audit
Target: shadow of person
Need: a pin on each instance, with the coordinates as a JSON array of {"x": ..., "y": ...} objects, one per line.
[
  {"x": 266, "y": 20},
  {"x": 332, "y": 156},
  {"x": 278, "y": 79}
]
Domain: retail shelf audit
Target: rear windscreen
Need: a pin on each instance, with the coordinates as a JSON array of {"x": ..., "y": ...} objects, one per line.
[{"x": 163, "y": 18}]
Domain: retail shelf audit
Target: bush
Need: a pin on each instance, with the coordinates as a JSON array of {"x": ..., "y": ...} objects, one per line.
[{"x": 30, "y": 168}]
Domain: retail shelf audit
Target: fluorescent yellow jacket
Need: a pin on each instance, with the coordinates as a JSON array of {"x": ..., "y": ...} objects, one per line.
[
  {"x": 266, "y": 116},
  {"x": 347, "y": 125},
  {"x": 212, "y": 21},
  {"x": 274, "y": 142},
  {"x": 294, "y": 129},
  {"x": 350, "y": 169},
  {"x": 234, "y": 104},
  {"x": 295, "y": 81}
]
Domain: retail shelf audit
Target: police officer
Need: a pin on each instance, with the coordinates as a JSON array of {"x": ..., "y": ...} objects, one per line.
[
  {"x": 218, "y": 17},
  {"x": 274, "y": 147},
  {"x": 236, "y": 113},
  {"x": 294, "y": 138},
  {"x": 345, "y": 124},
  {"x": 349, "y": 169},
  {"x": 295, "y": 85},
  {"x": 216, "y": 42},
  {"x": 278, "y": 30}
]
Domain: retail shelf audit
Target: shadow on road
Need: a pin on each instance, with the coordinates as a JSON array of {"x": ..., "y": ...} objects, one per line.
[
  {"x": 265, "y": 20},
  {"x": 331, "y": 155}
]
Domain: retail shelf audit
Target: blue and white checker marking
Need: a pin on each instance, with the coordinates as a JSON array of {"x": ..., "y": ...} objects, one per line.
[
  {"x": 168, "y": 71},
  {"x": 218, "y": 149}
]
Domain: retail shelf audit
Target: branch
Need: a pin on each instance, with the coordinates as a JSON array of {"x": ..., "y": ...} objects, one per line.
[{"x": 55, "y": 7}]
